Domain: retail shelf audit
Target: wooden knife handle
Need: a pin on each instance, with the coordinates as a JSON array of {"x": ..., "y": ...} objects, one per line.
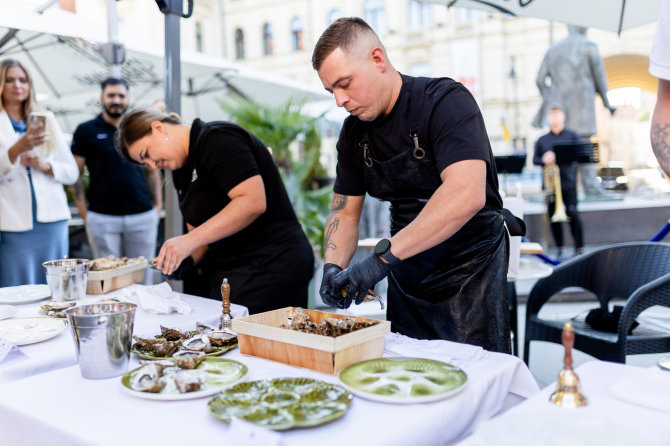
[{"x": 225, "y": 296}]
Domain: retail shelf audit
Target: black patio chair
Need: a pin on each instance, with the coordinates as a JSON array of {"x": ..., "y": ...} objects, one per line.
[{"x": 636, "y": 272}]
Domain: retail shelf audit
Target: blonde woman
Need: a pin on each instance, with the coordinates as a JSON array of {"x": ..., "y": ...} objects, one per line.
[{"x": 35, "y": 162}]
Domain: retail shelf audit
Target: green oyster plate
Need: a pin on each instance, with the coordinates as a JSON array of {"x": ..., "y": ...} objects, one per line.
[
  {"x": 150, "y": 355},
  {"x": 220, "y": 373},
  {"x": 145, "y": 354},
  {"x": 282, "y": 403},
  {"x": 403, "y": 380}
]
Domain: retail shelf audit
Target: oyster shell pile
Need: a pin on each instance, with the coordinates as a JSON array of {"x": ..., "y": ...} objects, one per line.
[
  {"x": 111, "y": 262},
  {"x": 331, "y": 326},
  {"x": 172, "y": 341}
]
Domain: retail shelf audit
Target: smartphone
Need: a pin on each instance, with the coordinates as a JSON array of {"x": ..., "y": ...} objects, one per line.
[{"x": 37, "y": 119}]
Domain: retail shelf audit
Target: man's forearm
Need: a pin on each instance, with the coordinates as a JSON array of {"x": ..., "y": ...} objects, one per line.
[
  {"x": 660, "y": 126},
  {"x": 79, "y": 197},
  {"x": 340, "y": 236}
]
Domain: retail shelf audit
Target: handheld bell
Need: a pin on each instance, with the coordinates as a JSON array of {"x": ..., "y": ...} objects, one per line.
[
  {"x": 225, "y": 321},
  {"x": 568, "y": 390}
]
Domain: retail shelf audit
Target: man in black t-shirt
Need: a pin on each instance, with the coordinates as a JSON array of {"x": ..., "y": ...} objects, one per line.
[
  {"x": 420, "y": 144},
  {"x": 124, "y": 202}
]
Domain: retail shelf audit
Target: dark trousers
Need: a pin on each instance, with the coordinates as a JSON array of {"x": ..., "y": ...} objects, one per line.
[{"x": 570, "y": 202}]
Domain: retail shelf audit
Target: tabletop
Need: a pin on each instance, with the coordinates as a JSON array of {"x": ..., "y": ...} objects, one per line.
[
  {"x": 627, "y": 405},
  {"x": 59, "y": 352},
  {"x": 61, "y": 408}
]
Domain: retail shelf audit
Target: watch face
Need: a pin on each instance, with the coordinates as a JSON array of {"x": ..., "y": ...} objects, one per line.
[{"x": 382, "y": 246}]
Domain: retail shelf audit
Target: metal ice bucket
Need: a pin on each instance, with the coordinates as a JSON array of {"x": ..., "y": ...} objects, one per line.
[
  {"x": 66, "y": 278},
  {"x": 102, "y": 335}
]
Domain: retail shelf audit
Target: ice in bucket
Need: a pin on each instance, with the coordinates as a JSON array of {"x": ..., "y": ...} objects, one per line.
[
  {"x": 102, "y": 335},
  {"x": 66, "y": 278}
]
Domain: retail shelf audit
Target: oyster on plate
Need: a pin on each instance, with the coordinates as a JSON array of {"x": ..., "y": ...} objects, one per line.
[
  {"x": 189, "y": 380},
  {"x": 172, "y": 334},
  {"x": 159, "y": 346},
  {"x": 57, "y": 306},
  {"x": 199, "y": 342},
  {"x": 221, "y": 338},
  {"x": 187, "y": 359},
  {"x": 147, "y": 378}
]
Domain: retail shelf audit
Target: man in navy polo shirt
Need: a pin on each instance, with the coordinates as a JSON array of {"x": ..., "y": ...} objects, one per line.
[{"x": 124, "y": 200}]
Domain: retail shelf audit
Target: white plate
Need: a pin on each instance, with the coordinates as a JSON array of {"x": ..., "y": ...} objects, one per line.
[
  {"x": 220, "y": 373},
  {"x": 7, "y": 311},
  {"x": 29, "y": 330},
  {"x": 24, "y": 294}
]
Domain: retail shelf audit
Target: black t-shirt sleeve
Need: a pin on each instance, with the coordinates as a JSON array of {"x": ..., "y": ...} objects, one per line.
[
  {"x": 227, "y": 156},
  {"x": 457, "y": 129},
  {"x": 350, "y": 179},
  {"x": 79, "y": 145}
]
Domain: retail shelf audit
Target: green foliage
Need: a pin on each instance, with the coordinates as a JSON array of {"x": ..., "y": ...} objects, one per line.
[{"x": 279, "y": 127}]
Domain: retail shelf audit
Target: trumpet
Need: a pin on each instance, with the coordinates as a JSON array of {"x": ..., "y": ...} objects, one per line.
[{"x": 552, "y": 186}]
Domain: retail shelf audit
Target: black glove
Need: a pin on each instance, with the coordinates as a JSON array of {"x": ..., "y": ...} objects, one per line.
[
  {"x": 330, "y": 270},
  {"x": 180, "y": 272},
  {"x": 361, "y": 277}
]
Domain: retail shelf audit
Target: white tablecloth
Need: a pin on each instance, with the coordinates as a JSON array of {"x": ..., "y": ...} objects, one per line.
[
  {"x": 61, "y": 408},
  {"x": 59, "y": 352},
  {"x": 620, "y": 412}
]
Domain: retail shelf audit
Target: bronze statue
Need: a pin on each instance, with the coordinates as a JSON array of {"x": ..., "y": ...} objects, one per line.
[{"x": 571, "y": 74}]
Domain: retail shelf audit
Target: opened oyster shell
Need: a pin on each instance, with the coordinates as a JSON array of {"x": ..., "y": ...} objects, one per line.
[
  {"x": 199, "y": 342},
  {"x": 187, "y": 359},
  {"x": 189, "y": 380},
  {"x": 147, "y": 378},
  {"x": 57, "y": 306}
]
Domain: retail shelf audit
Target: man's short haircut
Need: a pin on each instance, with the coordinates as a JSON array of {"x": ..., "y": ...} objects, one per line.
[
  {"x": 113, "y": 81},
  {"x": 342, "y": 33}
]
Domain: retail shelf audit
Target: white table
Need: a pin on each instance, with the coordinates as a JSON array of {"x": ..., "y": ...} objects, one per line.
[
  {"x": 61, "y": 408},
  {"x": 607, "y": 420},
  {"x": 59, "y": 352}
]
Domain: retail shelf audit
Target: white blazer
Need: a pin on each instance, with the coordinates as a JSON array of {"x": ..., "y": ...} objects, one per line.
[{"x": 15, "y": 202}]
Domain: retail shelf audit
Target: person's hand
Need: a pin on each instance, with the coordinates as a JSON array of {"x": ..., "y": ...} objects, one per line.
[
  {"x": 34, "y": 136},
  {"x": 361, "y": 277},
  {"x": 549, "y": 158},
  {"x": 180, "y": 272},
  {"x": 330, "y": 270},
  {"x": 172, "y": 253},
  {"x": 29, "y": 159}
]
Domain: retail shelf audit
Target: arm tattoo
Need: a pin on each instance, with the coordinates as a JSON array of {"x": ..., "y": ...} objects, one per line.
[
  {"x": 78, "y": 188},
  {"x": 339, "y": 202},
  {"x": 660, "y": 143},
  {"x": 331, "y": 227}
]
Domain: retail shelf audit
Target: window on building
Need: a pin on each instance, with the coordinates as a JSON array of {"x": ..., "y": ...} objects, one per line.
[
  {"x": 198, "y": 37},
  {"x": 373, "y": 13},
  {"x": 268, "y": 43},
  {"x": 239, "y": 44},
  {"x": 334, "y": 15},
  {"x": 297, "y": 27},
  {"x": 419, "y": 15}
]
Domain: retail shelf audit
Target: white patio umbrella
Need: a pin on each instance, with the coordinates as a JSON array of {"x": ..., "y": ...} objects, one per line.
[
  {"x": 610, "y": 15},
  {"x": 59, "y": 50}
]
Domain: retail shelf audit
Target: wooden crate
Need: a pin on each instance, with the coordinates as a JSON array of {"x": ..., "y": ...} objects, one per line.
[
  {"x": 101, "y": 282},
  {"x": 261, "y": 335}
]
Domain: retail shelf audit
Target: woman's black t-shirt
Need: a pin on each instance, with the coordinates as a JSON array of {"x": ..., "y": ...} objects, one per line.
[
  {"x": 450, "y": 125},
  {"x": 221, "y": 156}
]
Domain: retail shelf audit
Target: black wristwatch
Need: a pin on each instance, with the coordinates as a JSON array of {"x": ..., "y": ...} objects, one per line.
[{"x": 383, "y": 250}]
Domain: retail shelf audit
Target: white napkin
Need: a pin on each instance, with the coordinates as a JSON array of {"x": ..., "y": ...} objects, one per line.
[
  {"x": 648, "y": 388},
  {"x": 159, "y": 299},
  {"x": 396, "y": 344}
]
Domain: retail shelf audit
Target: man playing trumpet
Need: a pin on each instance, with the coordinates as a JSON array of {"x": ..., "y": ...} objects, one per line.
[{"x": 561, "y": 189}]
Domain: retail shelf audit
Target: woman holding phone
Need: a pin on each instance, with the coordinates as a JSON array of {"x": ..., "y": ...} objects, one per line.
[{"x": 35, "y": 162}]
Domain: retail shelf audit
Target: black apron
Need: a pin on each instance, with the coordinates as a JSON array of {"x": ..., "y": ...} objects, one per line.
[{"x": 456, "y": 290}]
